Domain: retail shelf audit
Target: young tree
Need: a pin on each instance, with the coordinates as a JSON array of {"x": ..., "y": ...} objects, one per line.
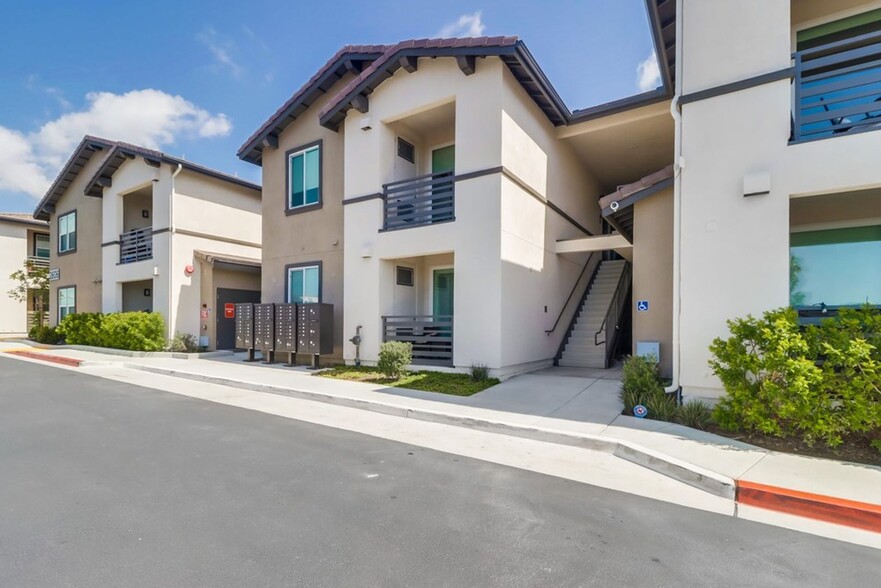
[{"x": 32, "y": 280}]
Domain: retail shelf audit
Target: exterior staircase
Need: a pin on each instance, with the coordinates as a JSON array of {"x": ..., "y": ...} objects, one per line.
[{"x": 581, "y": 348}]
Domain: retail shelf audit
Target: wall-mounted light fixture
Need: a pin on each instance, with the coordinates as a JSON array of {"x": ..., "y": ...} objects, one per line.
[{"x": 146, "y": 292}]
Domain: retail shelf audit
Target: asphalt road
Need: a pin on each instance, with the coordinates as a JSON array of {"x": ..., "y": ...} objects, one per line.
[{"x": 108, "y": 484}]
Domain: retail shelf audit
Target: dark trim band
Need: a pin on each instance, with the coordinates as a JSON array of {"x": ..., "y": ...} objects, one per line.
[
  {"x": 365, "y": 198},
  {"x": 528, "y": 189},
  {"x": 774, "y": 76}
]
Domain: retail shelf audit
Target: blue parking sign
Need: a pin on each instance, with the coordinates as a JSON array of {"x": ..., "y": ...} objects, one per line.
[{"x": 642, "y": 305}]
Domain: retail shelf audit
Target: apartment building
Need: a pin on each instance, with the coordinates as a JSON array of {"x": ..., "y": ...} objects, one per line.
[
  {"x": 22, "y": 238},
  {"x": 440, "y": 192},
  {"x": 139, "y": 230},
  {"x": 778, "y": 183}
]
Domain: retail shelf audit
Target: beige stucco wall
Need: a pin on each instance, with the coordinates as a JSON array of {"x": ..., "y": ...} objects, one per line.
[
  {"x": 316, "y": 235},
  {"x": 82, "y": 268},
  {"x": 653, "y": 273},
  {"x": 735, "y": 250}
]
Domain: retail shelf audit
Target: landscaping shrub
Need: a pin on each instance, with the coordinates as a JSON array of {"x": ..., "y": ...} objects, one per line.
[
  {"x": 695, "y": 414},
  {"x": 640, "y": 381},
  {"x": 134, "y": 331},
  {"x": 820, "y": 384},
  {"x": 479, "y": 372},
  {"x": 394, "y": 357},
  {"x": 44, "y": 334},
  {"x": 184, "y": 343},
  {"x": 84, "y": 328},
  {"x": 662, "y": 407}
]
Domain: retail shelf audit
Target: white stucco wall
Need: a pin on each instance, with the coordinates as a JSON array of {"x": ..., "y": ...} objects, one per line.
[
  {"x": 13, "y": 253},
  {"x": 735, "y": 250}
]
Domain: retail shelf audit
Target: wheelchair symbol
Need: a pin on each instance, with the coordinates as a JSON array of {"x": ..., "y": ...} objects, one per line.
[{"x": 642, "y": 305}]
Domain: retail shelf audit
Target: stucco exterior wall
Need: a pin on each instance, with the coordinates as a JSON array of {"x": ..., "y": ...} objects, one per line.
[
  {"x": 313, "y": 236},
  {"x": 13, "y": 253},
  {"x": 83, "y": 267},
  {"x": 653, "y": 274},
  {"x": 735, "y": 250}
]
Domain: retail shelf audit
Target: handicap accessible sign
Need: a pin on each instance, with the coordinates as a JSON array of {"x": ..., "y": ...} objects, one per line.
[{"x": 642, "y": 305}]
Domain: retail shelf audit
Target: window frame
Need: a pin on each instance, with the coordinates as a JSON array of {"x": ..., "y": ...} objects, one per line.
[
  {"x": 302, "y": 267},
  {"x": 289, "y": 155},
  {"x": 48, "y": 245},
  {"x": 58, "y": 300},
  {"x": 58, "y": 232}
]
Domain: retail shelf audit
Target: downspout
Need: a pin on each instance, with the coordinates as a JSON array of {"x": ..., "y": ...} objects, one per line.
[
  {"x": 170, "y": 326},
  {"x": 678, "y": 166}
]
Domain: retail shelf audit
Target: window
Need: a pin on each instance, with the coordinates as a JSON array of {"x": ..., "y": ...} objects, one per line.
[
  {"x": 304, "y": 283},
  {"x": 406, "y": 151},
  {"x": 67, "y": 232},
  {"x": 41, "y": 246},
  {"x": 404, "y": 276},
  {"x": 835, "y": 267},
  {"x": 304, "y": 177},
  {"x": 66, "y": 302}
]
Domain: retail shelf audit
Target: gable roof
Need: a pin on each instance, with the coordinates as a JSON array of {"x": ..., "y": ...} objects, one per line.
[
  {"x": 22, "y": 218},
  {"x": 116, "y": 153},
  {"x": 374, "y": 64},
  {"x": 349, "y": 59}
]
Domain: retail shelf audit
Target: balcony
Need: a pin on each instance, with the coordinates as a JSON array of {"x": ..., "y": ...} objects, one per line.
[
  {"x": 420, "y": 201},
  {"x": 430, "y": 335},
  {"x": 38, "y": 262},
  {"x": 837, "y": 88},
  {"x": 135, "y": 246}
]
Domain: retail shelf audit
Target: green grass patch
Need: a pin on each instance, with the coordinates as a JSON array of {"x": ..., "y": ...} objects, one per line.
[{"x": 445, "y": 383}]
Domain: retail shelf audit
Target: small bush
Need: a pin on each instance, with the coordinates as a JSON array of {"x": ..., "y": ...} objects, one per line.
[
  {"x": 479, "y": 372},
  {"x": 45, "y": 334},
  {"x": 662, "y": 407},
  {"x": 640, "y": 382},
  {"x": 184, "y": 343},
  {"x": 394, "y": 357},
  {"x": 819, "y": 385},
  {"x": 83, "y": 328},
  {"x": 695, "y": 414}
]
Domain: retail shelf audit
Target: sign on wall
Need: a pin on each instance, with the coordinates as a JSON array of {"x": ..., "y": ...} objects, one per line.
[
  {"x": 229, "y": 310},
  {"x": 642, "y": 305},
  {"x": 54, "y": 274}
]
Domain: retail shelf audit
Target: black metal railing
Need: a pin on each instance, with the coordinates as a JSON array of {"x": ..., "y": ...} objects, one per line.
[
  {"x": 837, "y": 88},
  {"x": 611, "y": 325},
  {"x": 431, "y": 336},
  {"x": 136, "y": 245},
  {"x": 419, "y": 201}
]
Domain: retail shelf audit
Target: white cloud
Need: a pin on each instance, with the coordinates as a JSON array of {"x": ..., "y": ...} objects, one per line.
[
  {"x": 648, "y": 75},
  {"x": 221, "y": 49},
  {"x": 467, "y": 25},
  {"x": 149, "y": 118}
]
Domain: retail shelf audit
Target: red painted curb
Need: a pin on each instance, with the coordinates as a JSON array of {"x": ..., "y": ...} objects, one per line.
[
  {"x": 50, "y": 358},
  {"x": 860, "y": 515}
]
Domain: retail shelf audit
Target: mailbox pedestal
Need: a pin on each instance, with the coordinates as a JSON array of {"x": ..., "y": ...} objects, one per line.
[
  {"x": 315, "y": 330},
  {"x": 264, "y": 330},
  {"x": 286, "y": 330},
  {"x": 245, "y": 328}
]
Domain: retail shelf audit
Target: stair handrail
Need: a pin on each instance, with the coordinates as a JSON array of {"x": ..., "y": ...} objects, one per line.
[
  {"x": 615, "y": 304},
  {"x": 571, "y": 294}
]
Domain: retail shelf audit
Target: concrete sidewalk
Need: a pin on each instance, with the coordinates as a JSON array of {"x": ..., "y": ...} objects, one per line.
[{"x": 577, "y": 408}]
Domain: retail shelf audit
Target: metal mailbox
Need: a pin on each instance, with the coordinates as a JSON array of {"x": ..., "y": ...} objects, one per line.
[
  {"x": 315, "y": 329},
  {"x": 264, "y": 329},
  {"x": 286, "y": 327},
  {"x": 245, "y": 325}
]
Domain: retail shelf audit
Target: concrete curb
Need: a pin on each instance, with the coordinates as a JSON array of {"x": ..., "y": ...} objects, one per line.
[
  {"x": 125, "y": 352},
  {"x": 679, "y": 470}
]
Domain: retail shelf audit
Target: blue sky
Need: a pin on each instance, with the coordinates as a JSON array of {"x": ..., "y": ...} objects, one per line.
[{"x": 196, "y": 78}]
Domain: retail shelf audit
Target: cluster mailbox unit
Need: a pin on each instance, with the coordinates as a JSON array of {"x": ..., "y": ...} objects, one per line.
[{"x": 285, "y": 328}]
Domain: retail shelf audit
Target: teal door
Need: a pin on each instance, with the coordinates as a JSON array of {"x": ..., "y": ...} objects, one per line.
[
  {"x": 443, "y": 159},
  {"x": 443, "y": 292}
]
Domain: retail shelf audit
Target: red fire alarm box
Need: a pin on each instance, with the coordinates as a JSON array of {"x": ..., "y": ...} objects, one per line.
[{"x": 229, "y": 310}]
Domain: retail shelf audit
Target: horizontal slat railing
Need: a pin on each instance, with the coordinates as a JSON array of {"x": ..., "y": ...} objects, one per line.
[
  {"x": 33, "y": 319},
  {"x": 136, "y": 245},
  {"x": 419, "y": 201},
  {"x": 837, "y": 88},
  {"x": 430, "y": 336},
  {"x": 37, "y": 261}
]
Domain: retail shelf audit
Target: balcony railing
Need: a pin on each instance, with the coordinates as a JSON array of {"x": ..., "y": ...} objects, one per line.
[
  {"x": 431, "y": 336},
  {"x": 34, "y": 319},
  {"x": 837, "y": 88},
  {"x": 135, "y": 246},
  {"x": 38, "y": 262},
  {"x": 419, "y": 201}
]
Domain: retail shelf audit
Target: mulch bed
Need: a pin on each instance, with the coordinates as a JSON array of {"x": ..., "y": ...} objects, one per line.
[{"x": 855, "y": 449}]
